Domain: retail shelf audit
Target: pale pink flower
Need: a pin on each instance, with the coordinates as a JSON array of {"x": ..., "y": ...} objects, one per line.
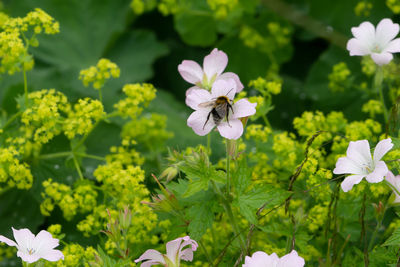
[
  {"x": 180, "y": 248},
  {"x": 262, "y": 259},
  {"x": 32, "y": 248},
  {"x": 213, "y": 66},
  {"x": 377, "y": 42},
  {"x": 395, "y": 182},
  {"x": 202, "y": 120},
  {"x": 360, "y": 164}
]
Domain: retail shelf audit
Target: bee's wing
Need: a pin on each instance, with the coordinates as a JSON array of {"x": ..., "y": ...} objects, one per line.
[
  {"x": 222, "y": 109},
  {"x": 208, "y": 104}
]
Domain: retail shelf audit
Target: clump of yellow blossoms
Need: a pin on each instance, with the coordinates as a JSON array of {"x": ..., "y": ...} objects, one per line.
[
  {"x": 394, "y": 5},
  {"x": 264, "y": 86},
  {"x": 75, "y": 255},
  {"x": 138, "y": 96},
  {"x": 13, "y": 173},
  {"x": 81, "y": 120},
  {"x": 97, "y": 75},
  {"x": 167, "y": 7},
  {"x": 339, "y": 78},
  {"x": 373, "y": 107},
  {"x": 222, "y": 8},
  {"x": 363, "y": 8}
]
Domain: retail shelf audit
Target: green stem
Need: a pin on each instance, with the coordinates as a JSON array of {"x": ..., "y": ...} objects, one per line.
[
  {"x": 391, "y": 186},
  {"x": 90, "y": 156},
  {"x": 266, "y": 120},
  {"x": 56, "y": 155},
  {"x": 100, "y": 96},
  {"x": 228, "y": 163},
  {"x": 371, "y": 242},
  {"x": 78, "y": 169},
  {"x": 209, "y": 144},
  {"x": 10, "y": 120},
  {"x": 379, "y": 88},
  {"x": 85, "y": 136},
  {"x": 206, "y": 253},
  {"x": 25, "y": 88}
]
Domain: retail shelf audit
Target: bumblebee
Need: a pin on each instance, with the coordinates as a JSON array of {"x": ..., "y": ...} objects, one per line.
[{"x": 220, "y": 109}]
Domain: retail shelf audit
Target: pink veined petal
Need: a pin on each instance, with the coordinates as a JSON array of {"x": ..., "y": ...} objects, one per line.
[
  {"x": 382, "y": 148},
  {"x": 190, "y": 89},
  {"x": 153, "y": 255},
  {"x": 243, "y": 108},
  {"x": 173, "y": 248},
  {"x": 350, "y": 181},
  {"x": 379, "y": 172},
  {"x": 393, "y": 46},
  {"x": 187, "y": 254},
  {"x": 215, "y": 63},
  {"x": 386, "y": 31},
  {"x": 224, "y": 88},
  {"x": 365, "y": 33},
  {"x": 197, "y": 121},
  {"x": 395, "y": 182},
  {"x": 231, "y": 75},
  {"x": 190, "y": 71},
  {"x": 359, "y": 152},
  {"x": 233, "y": 130},
  {"x": 382, "y": 58},
  {"x": 29, "y": 258},
  {"x": 8, "y": 241},
  {"x": 197, "y": 96},
  {"x": 23, "y": 237},
  {"x": 260, "y": 259},
  {"x": 357, "y": 48},
  {"x": 291, "y": 260},
  {"x": 346, "y": 165},
  {"x": 44, "y": 241},
  {"x": 149, "y": 263},
  {"x": 390, "y": 178},
  {"x": 52, "y": 255}
]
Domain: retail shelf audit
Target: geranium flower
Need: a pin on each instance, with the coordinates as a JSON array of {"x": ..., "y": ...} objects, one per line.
[
  {"x": 176, "y": 250},
  {"x": 395, "y": 182},
  {"x": 262, "y": 259},
  {"x": 360, "y": 163},
  {"x": 378, "y": 43},
  {"x": 213, "y": 66},
  {"x": 204, "y": 119},
  {"x": 32, "y": 248}
]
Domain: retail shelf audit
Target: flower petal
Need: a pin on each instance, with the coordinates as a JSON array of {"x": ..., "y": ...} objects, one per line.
[
  {"x": 360, "y": 153},
  {"x": 395, "y": 182},
  {"x": 190, "y": 71},
  {"x": 357, "y": 48},
  {"x": 260, "y": 259},
  {"x": 346, "y": 165},
  {"x": 52, "y": 255},
  {"x": 224, "y": 88},
  {"x": 8, "y": 241},
  {"x": 365, "y": 33},
  {"x": 23, "y": 237},
  {"x": 386, "y": 31},
  {"x": 190, "y": 89},
  {"x": 382, "y": 148},
  {"x": 393, "y": 46},
  {"x": 382, "y": 58},
  {"x": 153, "y": 255},
  {"x": 187, "y": 254},
  {"x": 44, "y": 241},
  {"x": 291, "y": 260},
  {"x": 197, "y": 96},
  {"x": 197, "y": 121},
  {"x": 215, "y": 63},
  {"x": 173, "y": 248},
  {"x": 29, "y": 258},
  {"x": 233, "y": 130},
  {"x": 243, "y": 108},
  {"x": 231, "y": 75},
  {"x": 379, "y": 172},
  {"x": 350, "y": 181}
]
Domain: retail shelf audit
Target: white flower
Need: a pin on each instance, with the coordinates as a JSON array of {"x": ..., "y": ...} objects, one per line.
[
  {"x": 395, "y": 182},
  {"x": 262, "y": 259},
  {"x": 202, "y": 120},
  {"x": 175, "y": 252},
  {"x": 360, "y": 163},
  {"x": 32, "y": 248},
  {"x": 213, "y": 66},
  {"x": 378, "y": 43}
]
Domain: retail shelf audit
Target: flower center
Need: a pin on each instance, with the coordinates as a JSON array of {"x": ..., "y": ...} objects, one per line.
[
  {"x": 376, "y": 48},
  {"x": 31, "y": 251}
]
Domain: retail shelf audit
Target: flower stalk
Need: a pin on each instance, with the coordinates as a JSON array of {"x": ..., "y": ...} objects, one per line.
[{"x": 378, "y": 79}]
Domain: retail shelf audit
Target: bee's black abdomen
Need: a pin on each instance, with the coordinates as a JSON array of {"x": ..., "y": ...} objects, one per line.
[{"x": 216, "y": 117}]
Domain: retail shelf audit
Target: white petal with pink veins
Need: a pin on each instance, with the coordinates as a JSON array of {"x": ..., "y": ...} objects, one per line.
[
  {"x": 382, "y": 148},
  {"x": 382, "y": 58},
  {"x": 350, "y": 181},
  {"x": 224, "y": 88},
  {"x": 197, "y": 121},
  {"x": 234, "y": 76},
  {"x": 359, "y": 152},
  {"x": 190, "y": 71},
  {"x": 196, "y": 97},
  {"x": 365, "y": 33},
  {"x": 393, "y": 46},
  {"x": 386, "y": 31},
  {"x": 215, "y": 63},
  {"x": 233, "y": 130},
  {"x": 153, "y": 255},
  {"x": 357, "y": 47},
  {"x": 291, "y": 260},
  {"x": 378, "y": 173},
  {"x": 243, "y": 108}
]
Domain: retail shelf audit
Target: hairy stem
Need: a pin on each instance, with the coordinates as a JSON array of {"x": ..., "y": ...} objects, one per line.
[{"x": 378, "y": 79}]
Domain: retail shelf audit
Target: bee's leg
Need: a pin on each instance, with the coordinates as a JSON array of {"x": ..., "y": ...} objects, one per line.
[{"x": 208, "y": 117}]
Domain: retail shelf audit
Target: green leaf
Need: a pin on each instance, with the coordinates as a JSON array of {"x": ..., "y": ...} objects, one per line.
[
  {"x": 241, "y": 177},
  {"x": 202, "y": 217},
  {"x": 394, "y": 239},
  {"x": 196, "y": 186},
  {"x": 396, "y": 143}
]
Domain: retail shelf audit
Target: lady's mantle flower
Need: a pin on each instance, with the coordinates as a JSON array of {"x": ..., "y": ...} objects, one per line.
[
  {"x": 32, "y": 248},
  {"x": 206, "y": 116},
  {"x": 360, "y": 163},
  {"x": 395, "y": 182},
  {"x": 262, "y": 259},
  {"x": 175, "y": 252},
  {"x": 378, "y": 43},
  {"x": 213, "y": 66}
]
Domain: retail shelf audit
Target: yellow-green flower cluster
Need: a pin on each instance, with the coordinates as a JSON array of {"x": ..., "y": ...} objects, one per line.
[
  {"x": 75, "y": 255},
  {"x": 281, "y": 35},
  {"x": 125, "y": 154},
  {"x": 168, "y": 7},
  {"x": 318, "y": 184},
  {"x": 148, "y": 130},
  {"x": 3, "y": 18},
  {"x": 317, "y": 217},
  {"x": 373, "y": 107},
  {"x": 6, "y": 252},
  {"x": 264, "y": 86},
  {"x": 258, "y": 132},
  {"x": 97, "y": 75},
  {"x": 339, "y": 76},
  {"x": 138, "y": 96},
  {"x": 393, "y": 5},
  {"x": 251, "y": 37},
  {"x": 368, "y": 66},
  {"x": 55, "y": 230},
  {"x": 42, "y": 118},
  {"x": 141, "y": 6},
  {"x": 71, "y": 201},
  {"x": 287, "y": 150},
  {"x": 13, "y": 53},
  {"x": 81, "y": 120},
  {"x": 222, "y": 8},
  {"x": 95, "y": 221},
  {"x": 363, "y": 8},
  {"x": 13, "y": 173}
]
